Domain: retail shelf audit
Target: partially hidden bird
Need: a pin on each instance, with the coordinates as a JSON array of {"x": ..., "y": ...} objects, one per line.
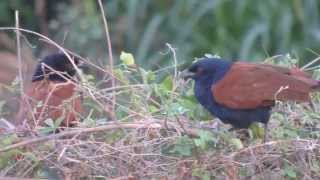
[
  {"x": 240, "y": 93},
  {"x": 52, "y": 93}
]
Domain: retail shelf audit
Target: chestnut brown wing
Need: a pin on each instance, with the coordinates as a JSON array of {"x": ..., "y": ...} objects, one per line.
[
  {"x": 247, "y": 86},
  {"x": 57, "y": 100}
]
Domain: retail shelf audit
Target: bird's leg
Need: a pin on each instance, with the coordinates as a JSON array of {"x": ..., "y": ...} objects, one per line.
[{"x": 265, "y": 139}]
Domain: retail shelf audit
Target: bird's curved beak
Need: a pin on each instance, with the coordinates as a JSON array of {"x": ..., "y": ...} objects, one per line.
[{"x": 186, "y": 74}]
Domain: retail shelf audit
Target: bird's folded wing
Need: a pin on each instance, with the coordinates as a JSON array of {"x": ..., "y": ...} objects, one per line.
[
  {"x": 247, "y": 86},
  {"x": 55, "y": 100}
]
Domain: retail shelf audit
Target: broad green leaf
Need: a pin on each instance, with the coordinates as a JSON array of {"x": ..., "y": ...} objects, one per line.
[
  {"x": 49, "y": 122},
  {"x": 204, "y": 138},
  {"x": 201, "y": 173},
  {"x": 289, "y": 171},
  {"x": 59, "y": 120},
  {"x": 257, "y": 131},
  {"x": 167, "y": 83},
  {"x": 183, "y": 147},
  {"x": 175, "y": 109},
  {"x": 31, "y": 156},
  {"x": 147, "y": 76},
  {"x": 236, "y": 142},
  {"x": 121, "y": 76},
  {"x": 153, "y": 109},
  {"x": 5, "y": 157},
  {"x": 127, "y": 58},
  {"x": 182, "y": 150}
]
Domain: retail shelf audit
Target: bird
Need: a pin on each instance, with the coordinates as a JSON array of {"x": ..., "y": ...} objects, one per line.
[
  {"x": 241, "y": 93},
  {"x": 52, "y": 93}
]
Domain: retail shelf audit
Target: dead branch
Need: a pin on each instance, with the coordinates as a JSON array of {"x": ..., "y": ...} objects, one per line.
[
  {"x": 116, "y": 125},
  {"x": 79, "y": 131},
  {"x": 111, "y": 62}
]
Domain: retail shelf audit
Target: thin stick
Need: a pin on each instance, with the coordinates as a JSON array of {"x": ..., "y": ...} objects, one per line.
[
  {"x": 20, "y": 63},
  {"x": 116, "y": 125},
  {"x": 110, "y": 54},
  {"x": 174, "y": 60},
  {"x": 276, "y": 143},
  {"x": 15, "y": 178},
  {"x": 310, "y": 63},
  {"x": 19, "y": 51},
  {"x": 84, "y": 130}
]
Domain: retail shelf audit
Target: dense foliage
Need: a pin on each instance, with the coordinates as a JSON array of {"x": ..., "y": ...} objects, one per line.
[{"x": 245, "y": 29}]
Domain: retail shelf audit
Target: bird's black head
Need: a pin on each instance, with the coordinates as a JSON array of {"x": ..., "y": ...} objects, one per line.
[
  {"x": 207, "y": 68},
  {"x": 55, "y": 67}
]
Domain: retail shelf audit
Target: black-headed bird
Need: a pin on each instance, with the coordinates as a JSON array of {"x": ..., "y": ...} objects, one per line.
[{"x": 52, "y": 93}]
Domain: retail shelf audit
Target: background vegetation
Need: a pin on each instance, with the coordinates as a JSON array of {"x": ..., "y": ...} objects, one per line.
[
  {"x": 164, "y": 132},
  {"x": 245, "y": 30}
]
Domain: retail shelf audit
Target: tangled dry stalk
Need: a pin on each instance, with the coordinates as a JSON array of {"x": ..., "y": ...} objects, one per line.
[
  {"x": 134, "y": 148},
  {"x": 84, "y": 153}
]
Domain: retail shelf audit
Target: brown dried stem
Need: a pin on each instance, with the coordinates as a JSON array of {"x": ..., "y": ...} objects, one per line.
[{"x": 111, "y": 62}]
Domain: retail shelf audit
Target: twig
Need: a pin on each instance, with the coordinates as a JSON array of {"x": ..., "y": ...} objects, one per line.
[
  {"x": 16, "y": 178},
  {"x": 310, "y": 63},
  {"x": 20, "y": 61},
  {"x": 123, "y": 178},
  {"x": 116, "y": 125},
  {"x": 110, "y": 55},
  {"x": 85, "y": 130},
  {"x": 175, "y": 77},
  {"x": 19, "y": 51},
  {"x": 271, "y": 143},
  {"x": 174, "y": 60}
]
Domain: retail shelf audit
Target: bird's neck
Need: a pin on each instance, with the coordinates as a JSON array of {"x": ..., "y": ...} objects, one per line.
[
  {"x": 211, "y": 79},
  {"x": 203, "y": 87}
]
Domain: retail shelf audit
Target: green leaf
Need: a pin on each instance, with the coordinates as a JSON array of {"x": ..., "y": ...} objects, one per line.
[
  {"x": 5, "y": 157},
  {"x": 236, "y": 142},
  {"x": 201, "y": 173},
  {"x": 49, "y": 122},
  {"x": 31, "y": 156},
  {"x": 121, "y": 76},
  {"x": 290, "y": 133},
  {"x": 147, "y": 76},
  {"x": 182, "y": 150},
  {"x": 46, "y": 130},
  {"x": 167, "y": 83},
  {"x": 183, "y": 146},
  {"x": 58, "y": 121},
  {"x": 289, "y": 171},
  {"x": 175, "y": 109},
  {"x": 127, "y": 58},
  {"x": 257, "y": 131},
  {"x": 204, "y": 138},
  {"x": 153, "y": 109}
]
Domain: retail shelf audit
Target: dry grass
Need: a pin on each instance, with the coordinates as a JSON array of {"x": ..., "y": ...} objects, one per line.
[{"x": 137, "y": 154}]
